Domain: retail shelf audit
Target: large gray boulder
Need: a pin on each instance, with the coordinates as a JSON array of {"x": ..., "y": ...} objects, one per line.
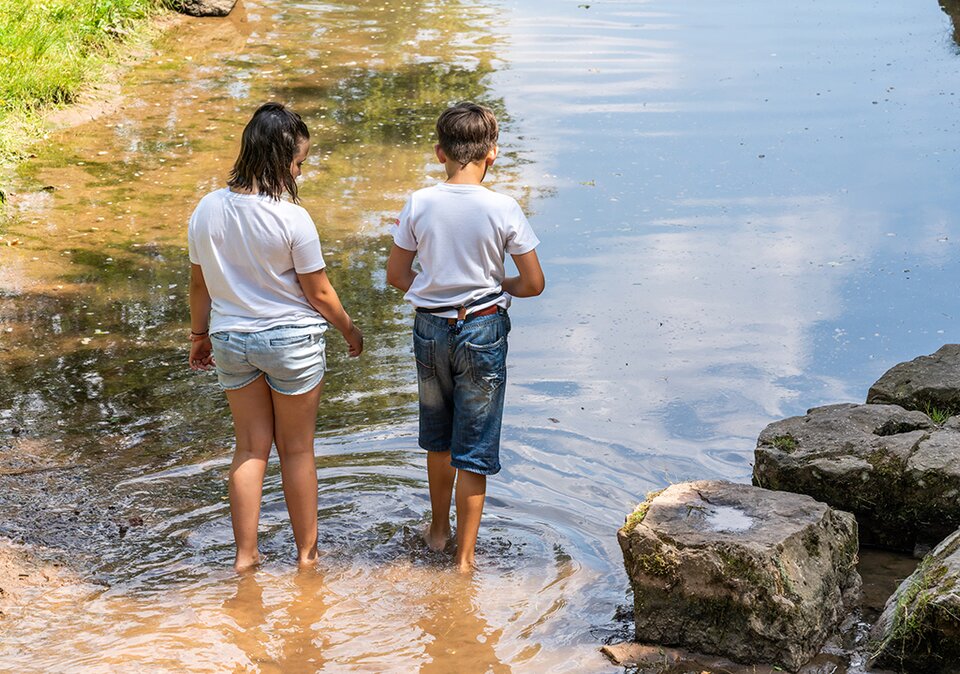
[
  {"x": 729, "y": 569},
  {"x": 895, "y": 469},
  {"x": 204, "y": 7},
  {"x": 919, "y": 629},
  {"x": 930, "y": 384}
]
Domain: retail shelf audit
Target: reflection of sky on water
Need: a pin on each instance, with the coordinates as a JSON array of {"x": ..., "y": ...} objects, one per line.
[{"x": 739, "y": 191}]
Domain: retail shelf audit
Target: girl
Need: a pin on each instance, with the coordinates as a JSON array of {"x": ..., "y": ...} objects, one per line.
[{"x": 260, "y": 302}]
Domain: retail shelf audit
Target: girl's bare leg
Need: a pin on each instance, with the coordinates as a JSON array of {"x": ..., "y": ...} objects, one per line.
[
  {"x": 252, "y": 412},
  {"x": 471, "y": 491},
  {"x": 440, "y": 475},
  {"x": 295, "y": 422}
]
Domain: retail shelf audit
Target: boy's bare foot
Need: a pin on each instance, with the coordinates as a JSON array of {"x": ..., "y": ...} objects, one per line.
[
  {"x": 436, "y": 539},
  {"x": 245, "y": 562},
  {"x": 308, "y": 559},
  {"x": 466, "y": 567}
]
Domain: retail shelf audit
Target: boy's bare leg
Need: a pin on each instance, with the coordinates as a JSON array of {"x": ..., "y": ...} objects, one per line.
[
  {"x": 295, "y": 423},
  {"x": 440, "y": 475},
  {"x": 471, "y": 491},
  {"x": 252, "y": 413}
]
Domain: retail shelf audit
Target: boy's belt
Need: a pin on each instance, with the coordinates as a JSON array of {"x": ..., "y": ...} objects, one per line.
[
  {"x": 492, "y": 309},
  {"x": 457, "y": 322}
]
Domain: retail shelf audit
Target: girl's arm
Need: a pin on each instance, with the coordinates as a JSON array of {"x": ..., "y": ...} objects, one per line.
[
  {"x": 530, "y": 282},
  {"x": 400, "y": 272},
  {"x": 201, "y": 352},
  {"x": 320, "y": 294}
]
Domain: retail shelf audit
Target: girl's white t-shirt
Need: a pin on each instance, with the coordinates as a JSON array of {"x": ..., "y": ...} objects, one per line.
[
  {"x": 461, "y": 233},
  {"x": 251, "y": 248}
]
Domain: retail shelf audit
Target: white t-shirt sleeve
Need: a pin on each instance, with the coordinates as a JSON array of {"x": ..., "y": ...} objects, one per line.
[
  {"x": 403, "y": 234},
  {"x": 520, "y": 236},
  {"x": 305, "y": 244},
  {"x": 191, "y": 246}
]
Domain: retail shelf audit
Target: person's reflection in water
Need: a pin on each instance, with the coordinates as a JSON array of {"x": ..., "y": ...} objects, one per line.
[
  {"x": 303, "y": 640},
  {"x": 248, "y": 612},
  {"x": 462, "y": 641},
  {"x": 292, "y": 622}
]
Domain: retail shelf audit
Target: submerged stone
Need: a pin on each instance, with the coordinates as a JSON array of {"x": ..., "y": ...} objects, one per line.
[
  {"x": 895, "y": 469},
  {"x": 929, "y": 384},
  {"x": 747, "y": 573},
  {"x": 919, "y": 630}
]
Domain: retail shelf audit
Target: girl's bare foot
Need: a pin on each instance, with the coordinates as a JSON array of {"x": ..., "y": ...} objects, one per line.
[
  {"x": 436, "y": 539},
  {"x": 245, "y": 562},
  {"x": 466, "y": 567}
]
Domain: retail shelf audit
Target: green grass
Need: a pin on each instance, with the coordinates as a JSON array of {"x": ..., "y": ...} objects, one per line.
[
  {"x": 786, "y": 443},
  {"x": 937, "y": 415},
  {"x": 49, "y": 49}
]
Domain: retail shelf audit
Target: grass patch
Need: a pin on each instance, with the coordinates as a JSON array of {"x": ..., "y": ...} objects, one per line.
[
  {"x": 636, "y": 517},
  {"x": 786, "y": 443},
  {"x": 49, "y": 49},
  {"x": 937, "y": 415}
]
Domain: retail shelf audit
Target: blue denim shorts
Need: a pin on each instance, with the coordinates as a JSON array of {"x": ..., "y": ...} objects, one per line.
[
  {"x": 292, "y": 358},
  {"x": 462, "y": 379}
]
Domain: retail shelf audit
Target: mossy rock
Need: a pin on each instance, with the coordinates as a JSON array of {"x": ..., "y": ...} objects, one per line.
[
  {"x": 729, "y": 569},
  {"x": 919, "y": 629},
  {"x": 895, "y": 469}
]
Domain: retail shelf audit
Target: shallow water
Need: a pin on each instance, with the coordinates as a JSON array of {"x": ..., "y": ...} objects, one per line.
[{"x": 745, "y": 211}]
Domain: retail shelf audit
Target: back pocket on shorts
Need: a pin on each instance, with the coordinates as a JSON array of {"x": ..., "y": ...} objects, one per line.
[
  {"x": 488, "y": 363},
  {"x": 290, "y": 341},
  {"x": 424, "y": 351}
]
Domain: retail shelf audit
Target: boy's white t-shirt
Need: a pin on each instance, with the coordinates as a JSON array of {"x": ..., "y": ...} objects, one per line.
[
  {"x": 251, "y": 248},
  {"x": 461, "y": 233}
]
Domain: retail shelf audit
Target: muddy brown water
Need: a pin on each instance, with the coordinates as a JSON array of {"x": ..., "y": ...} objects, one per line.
[{"x": 745, "y": 210}]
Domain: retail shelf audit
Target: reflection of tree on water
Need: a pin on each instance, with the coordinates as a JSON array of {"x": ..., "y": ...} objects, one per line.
[{"x": 952, "y": 9}]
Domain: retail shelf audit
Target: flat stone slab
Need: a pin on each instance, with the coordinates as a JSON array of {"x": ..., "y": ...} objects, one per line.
[
  {"x": 733, "y": 570},
  {"x": 929, "y": 384},
  {"x": 919, "y": 629},
  {"x": 893, "y": 468}
]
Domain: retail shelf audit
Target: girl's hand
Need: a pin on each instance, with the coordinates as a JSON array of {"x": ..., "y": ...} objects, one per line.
[
  {"x": 201, "y": 354},
  {"x": 354, "y": 340}
]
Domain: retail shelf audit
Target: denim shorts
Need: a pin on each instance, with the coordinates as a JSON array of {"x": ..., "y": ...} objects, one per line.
[
  {"x": 292, "y": 358},
  {"x": 462, "y": 379}
]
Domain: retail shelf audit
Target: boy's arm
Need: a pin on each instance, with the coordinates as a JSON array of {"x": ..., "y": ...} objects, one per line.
[
  {"x": 400, "y": 272},
  {"x": 321, "y": 295},
  {"x": 530, "y": 282}
]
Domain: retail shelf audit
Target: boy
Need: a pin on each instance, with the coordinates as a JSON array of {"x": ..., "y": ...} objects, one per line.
[{"x": 460, "y": 230}]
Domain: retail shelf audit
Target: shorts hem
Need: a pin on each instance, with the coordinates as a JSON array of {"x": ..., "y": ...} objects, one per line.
[
  {"x": 459, "y": 465},
  {"x": 240, "y": 386},
  {"x": 299, "y": 391}
]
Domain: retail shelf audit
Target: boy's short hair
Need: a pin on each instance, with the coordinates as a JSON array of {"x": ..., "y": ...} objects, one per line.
[{"x": 467, "y": 132}]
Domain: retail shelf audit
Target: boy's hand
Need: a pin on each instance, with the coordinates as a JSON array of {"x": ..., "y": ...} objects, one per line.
[
  {"x": 354, "y": 340},
  {"x": 201, "y": 354}
]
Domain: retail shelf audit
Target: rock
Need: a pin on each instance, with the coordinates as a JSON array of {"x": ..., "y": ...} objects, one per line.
[
  {"x": 919, "y": 630},
  {"x": 733, "y": 570},
  {"x": 658, "y": 658},
  {"x": 205, "y": 7},
  {"x": 895, "y": 469},
  {"x": 929, "y": 384}
]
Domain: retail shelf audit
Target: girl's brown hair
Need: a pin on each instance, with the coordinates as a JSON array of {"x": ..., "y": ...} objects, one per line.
[{"x": 269, "y": 144}]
